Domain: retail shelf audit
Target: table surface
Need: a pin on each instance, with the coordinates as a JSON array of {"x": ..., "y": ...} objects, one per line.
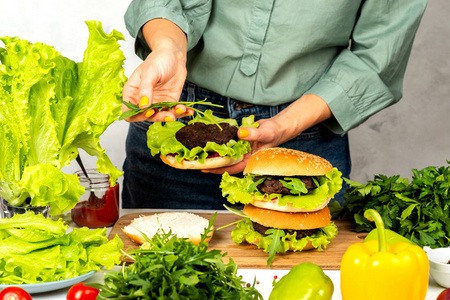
[
  {"x": 263, "y": 277},
  {"x": 249, "y": 256}
]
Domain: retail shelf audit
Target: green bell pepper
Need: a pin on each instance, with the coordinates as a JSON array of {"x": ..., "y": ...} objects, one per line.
[
  {"x": 392, "y": 237},
  {"x": 304, "y": 281}
]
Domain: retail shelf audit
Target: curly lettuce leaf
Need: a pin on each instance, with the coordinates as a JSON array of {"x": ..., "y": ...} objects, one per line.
[
  {"x": 161, "y": 139},
  {"x": 13, "y": 245},
  {"x": 236, "y": 189},
  {"x": 32, "y": 227},
  {"x": 51, "y": 106},
  {"x": 98, "y": 98},
  {"x": 47, "y": 185},
  {"x": 243, "y": 190}
]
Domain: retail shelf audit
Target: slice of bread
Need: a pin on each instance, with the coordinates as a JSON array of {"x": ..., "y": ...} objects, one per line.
[{"x": 181, "y": 224}]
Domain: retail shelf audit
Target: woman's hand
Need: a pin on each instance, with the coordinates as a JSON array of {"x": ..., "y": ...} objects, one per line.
[
  {"x": 307, "y": 111},
  {"x": 161, "y": 76},
  {"x": 265, "y": 136}
]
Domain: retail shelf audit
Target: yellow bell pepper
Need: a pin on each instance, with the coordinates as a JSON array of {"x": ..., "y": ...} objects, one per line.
[{"x": 373, "y": 270}]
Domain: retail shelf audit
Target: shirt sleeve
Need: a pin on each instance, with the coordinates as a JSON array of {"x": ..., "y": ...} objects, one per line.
[
  {"x": 368, "y": 76},
  {"x": 190, "y": 15}
]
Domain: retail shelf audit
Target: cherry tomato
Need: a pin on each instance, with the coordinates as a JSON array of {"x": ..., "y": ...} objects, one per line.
[
  {"x": 81, "y": 292},
  {"x": 444, "y": 295},
  {"x": 14, "y": 293}
]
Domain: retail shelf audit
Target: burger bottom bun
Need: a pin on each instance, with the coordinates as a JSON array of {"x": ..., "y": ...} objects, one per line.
[
  {"x": 273, "y": 205},
  {"x": 288, "y": 220},
  {"x": 182, "y": 224},
  {"x": 210, "y": 163}
]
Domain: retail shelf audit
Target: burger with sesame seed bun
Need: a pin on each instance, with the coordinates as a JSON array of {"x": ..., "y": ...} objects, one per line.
[{"x": 286, "y": 194}]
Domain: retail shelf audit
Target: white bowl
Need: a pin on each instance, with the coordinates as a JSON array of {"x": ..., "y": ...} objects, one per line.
[{"x": 439, "y": 266}]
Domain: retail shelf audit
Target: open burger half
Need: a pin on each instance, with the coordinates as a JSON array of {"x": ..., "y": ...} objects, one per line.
[
  {"x": 286, "y": 194},
  {"x": 206, "y": 142}
]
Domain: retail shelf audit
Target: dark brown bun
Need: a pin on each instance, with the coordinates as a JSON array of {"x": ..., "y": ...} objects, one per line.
[
  {"x": 286, "y": 162},
  {"x": 287, "y": 220},
  {"x": 210, "y": 163}
]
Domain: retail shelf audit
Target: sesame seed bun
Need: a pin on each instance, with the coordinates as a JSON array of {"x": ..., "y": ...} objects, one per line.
[{"x": 286, "y": 162}]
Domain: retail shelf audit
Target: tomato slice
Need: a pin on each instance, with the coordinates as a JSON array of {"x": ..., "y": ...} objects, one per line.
[
  {"x": 81, "y": 292},
  {"x": 14, "y": 293},
  {"x": 215, "y": 154}
]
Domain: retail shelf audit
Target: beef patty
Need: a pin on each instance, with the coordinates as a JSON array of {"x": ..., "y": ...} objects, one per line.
[
  {"x": 274, "y": 186},
  {"x": 198, "y": 134},
  {"x": 300, "y": 233}
]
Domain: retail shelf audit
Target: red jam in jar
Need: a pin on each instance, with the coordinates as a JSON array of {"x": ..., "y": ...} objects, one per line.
[{"x": 99, "y": 206}]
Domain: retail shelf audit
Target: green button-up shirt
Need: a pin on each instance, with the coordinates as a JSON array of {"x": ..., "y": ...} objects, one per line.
[{"x": 351, "y": 53}]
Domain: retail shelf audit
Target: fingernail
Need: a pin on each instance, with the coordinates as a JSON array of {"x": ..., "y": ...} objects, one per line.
[
  {"x": 179, "y": 111},
  {"x": 168, "y": 119},
  {"x": 149, "y": 113},
  {"x": 243, "y": 133},
  {"x": 144, "y": 101}
]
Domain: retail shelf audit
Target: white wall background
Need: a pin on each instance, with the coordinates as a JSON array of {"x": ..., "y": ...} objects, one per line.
[{"x": 414, "y": 133}]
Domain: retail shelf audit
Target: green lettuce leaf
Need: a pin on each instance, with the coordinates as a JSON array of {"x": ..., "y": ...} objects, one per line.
[
  {"x": 50, "y": 107},
  {"x": 32, "y": 227},
  {"x": 161, "y": 139},
  {"x": 237, "y": 190},
  {"x": 243, "y": 190},
  {"x": 51, "y": 254}
]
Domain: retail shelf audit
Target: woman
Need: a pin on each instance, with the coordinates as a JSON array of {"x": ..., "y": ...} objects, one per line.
[{"x": 309, "y": 72}]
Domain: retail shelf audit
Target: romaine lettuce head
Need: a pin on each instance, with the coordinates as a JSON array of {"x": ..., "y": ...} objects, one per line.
[
  {"x": 161, "y": 139},
  {"x": 51, "y": 106},
  {"x": 244, "y": 190}
]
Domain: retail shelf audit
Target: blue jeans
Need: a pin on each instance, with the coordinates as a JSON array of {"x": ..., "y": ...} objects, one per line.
[{"x": 149, "y": 183}]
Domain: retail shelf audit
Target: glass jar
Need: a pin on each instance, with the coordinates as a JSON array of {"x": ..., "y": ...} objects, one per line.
[
  {"x": 7, "y": 210},
  {"x": 99, "y": 206}
]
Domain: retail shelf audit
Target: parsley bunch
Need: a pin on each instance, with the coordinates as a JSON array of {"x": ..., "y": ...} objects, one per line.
[
  {"x": 418, "y": 210},
  {"x": 168, "y": 267}
]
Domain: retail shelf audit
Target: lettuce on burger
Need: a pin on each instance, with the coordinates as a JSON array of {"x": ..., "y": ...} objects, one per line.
[
  {"x": 205, "y": 142},
  {"x": 285, "y": 193}
]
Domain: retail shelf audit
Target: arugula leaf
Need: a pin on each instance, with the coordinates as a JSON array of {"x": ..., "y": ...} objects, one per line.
[
  {"x": 295, "y": 185},
  {"x": 135, "y": 109},
  {"x": 275, "y": 246},
  {"x": 168, "y": 267}
]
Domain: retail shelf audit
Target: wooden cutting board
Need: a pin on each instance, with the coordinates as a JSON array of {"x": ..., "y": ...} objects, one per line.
[{"x": 249, "y": 256}]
